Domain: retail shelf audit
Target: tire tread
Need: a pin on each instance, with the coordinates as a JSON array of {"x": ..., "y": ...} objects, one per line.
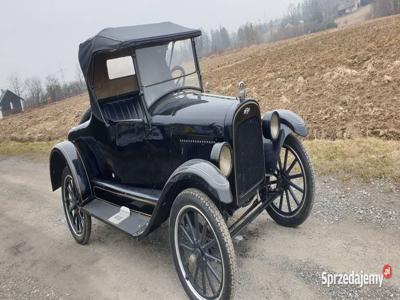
[
  {"x": 206, "y": 204},
  {"x": 88, "y": 220}
]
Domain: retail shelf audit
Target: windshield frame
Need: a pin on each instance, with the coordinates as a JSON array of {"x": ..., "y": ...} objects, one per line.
[{"x": 177, "y": 89}]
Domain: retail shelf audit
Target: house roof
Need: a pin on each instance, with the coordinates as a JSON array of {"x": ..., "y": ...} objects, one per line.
[
  {"x": 8, "y": 93},
  {"x": 111, "y": 39}
]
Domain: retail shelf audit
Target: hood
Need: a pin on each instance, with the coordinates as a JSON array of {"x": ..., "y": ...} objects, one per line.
[{"x": 195, "y": 113}]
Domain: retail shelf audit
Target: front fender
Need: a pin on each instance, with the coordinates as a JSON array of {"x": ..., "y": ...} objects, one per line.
[
  {"x": 195, "y": 173},
  {"x": 290, "y": 123},
  {"x": 65, "y": 154},
  {"x": 272, "y": 149},
  {"x": 202, "y": 174},
  {"x": 288, "y": 118}
]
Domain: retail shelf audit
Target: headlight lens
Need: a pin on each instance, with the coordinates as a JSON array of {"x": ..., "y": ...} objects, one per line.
[
  {"x": 225, "y": 160},
  {"x": 274, "y": 126}
]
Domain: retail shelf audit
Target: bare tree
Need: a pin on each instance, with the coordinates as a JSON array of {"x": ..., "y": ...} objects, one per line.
[
  {"x": 203, "y": 44},
  {"x": 53, "y": 88},
  {"x": 79, "y": 76},
  {"x": 249, "y": 34},
  {"x": 386, "y": 7},
  {"x": 329, "y": 9},
  {"x": 16, "y": 84},
  {"x": 293, "y": 13},
  {"x": 34, "y": 91}
]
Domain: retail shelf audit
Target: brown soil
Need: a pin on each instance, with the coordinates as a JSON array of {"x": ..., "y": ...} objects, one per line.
[
  {"x": 46, "y": 123},
  {"x": 344, "y": 83}
]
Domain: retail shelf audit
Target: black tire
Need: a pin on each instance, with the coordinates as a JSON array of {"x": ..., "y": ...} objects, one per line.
[
  {"x": 79, "y": 222},
  {"x": 211, "y": 250},
  {"x": 86, "y": 116},
  {"x": 298, "y": 204}
]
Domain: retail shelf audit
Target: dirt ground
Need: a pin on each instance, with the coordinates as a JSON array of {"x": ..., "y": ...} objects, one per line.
[
  {"x": 344, "y": 83},
  {"x": 353, "y": 227},
  {"x": 46, "y": 123}
]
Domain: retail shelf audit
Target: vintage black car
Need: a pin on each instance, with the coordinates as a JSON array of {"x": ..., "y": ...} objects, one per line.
[{"x": 155, "y": 146}]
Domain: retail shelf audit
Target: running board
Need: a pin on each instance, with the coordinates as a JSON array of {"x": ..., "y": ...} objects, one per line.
[
  {"x": 132, "y": 222},
  {"x": 142, "y": 200}
]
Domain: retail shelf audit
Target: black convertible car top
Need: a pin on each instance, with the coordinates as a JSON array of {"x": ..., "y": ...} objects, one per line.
[{"x": 110, "y": 39}]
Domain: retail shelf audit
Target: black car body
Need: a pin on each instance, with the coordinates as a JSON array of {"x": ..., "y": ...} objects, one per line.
[{"x": 133, "y": 152}]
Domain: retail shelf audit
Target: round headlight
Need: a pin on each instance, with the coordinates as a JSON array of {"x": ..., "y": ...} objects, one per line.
[
  {"x": 225, "y": 160},
  {"x": 221, "y": 156},
  {"x": 274, "y": 126}
]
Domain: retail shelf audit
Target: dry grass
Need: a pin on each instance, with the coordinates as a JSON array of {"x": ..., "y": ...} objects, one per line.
[
  {"x": 30, "y": 149},
  {"x": 365, "y": 158}
]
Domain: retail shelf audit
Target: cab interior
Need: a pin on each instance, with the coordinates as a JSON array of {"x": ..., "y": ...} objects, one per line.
[{"x": 116, "y": 87}]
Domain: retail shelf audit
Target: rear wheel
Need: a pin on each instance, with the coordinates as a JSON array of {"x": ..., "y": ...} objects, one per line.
[
  {"x": 201, "y": 247},
  {"x": 294, "y": 178},
  {"x": 79, "y": 222}
]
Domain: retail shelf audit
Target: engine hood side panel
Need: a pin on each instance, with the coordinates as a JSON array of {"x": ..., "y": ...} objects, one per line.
[
  {"x": 192, "y": 123},
  {"x": 194, "y": 114}
]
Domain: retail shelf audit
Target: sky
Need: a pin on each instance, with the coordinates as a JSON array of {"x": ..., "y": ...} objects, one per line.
[{"x": 41, "y": 37}]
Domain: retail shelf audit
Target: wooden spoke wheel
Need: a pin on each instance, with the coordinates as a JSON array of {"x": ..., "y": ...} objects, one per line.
[
  {"x": 294, "y": 179},
  {"x": 78, "y": 221},
  {"x": 202, "y": 247}
]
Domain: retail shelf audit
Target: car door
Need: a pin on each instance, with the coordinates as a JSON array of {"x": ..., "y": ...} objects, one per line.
[{"x": 122, "y": 136}]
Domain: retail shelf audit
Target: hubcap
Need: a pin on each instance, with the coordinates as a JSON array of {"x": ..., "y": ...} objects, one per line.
[{"x": 194, "y": 257}]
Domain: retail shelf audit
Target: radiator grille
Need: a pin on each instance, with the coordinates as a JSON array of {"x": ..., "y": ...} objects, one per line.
[{"x": 249, "y": 160}]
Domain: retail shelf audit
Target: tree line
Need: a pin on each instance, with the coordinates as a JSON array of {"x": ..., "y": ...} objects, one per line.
[
  {"x": 307, "y": 17},
  {"x": 36, "y": 91},
  {"x": 384, "y": 8}
]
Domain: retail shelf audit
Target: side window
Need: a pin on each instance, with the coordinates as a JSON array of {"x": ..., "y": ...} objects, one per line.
[
  {"x": 120, "y": 67},
  {"x": 11, "y": 105}
]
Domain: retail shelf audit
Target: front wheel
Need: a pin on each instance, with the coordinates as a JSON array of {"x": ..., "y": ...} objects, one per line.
[
  {"x": 294, "y": 179},
  {"x": 202, "y": 247}
]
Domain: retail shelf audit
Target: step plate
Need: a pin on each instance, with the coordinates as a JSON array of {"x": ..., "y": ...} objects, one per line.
[{"x": 135, "y": 224}]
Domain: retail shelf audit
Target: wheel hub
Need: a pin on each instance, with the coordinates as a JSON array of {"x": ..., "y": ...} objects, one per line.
[
  {"x": 284, "y": 180},
  {"x": 194, "y": 258}
]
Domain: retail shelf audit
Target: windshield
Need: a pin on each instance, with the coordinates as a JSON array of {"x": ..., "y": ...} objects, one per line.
[{"x": 166, "y": 68}]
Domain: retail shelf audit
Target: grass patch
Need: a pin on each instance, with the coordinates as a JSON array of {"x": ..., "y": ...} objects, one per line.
[
  {"x": 367, "y": 158},
  {"x": 26, "y": 149}
]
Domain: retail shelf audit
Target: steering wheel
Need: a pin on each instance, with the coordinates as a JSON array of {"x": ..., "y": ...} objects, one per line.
[{"x": 180, "y": 79}]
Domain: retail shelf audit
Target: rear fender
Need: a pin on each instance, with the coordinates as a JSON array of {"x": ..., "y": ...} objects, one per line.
[
  {"x": 195, "y": 173},
  {"x": 66, "y": 154}
]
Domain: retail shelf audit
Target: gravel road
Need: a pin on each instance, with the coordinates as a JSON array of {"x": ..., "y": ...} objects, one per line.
[{"x": 353, "y": 227}]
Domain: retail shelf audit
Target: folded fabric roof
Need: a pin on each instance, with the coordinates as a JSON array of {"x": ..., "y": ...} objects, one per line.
[{"x": 111, "y": 39}]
